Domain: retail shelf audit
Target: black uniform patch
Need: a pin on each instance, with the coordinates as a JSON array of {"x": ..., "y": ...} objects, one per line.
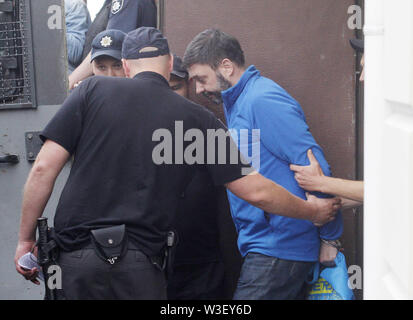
[{"x": 117, "y": 5}]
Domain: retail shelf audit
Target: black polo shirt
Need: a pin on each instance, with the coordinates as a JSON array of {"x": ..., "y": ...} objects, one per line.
[{"x": 108, "y": 124}]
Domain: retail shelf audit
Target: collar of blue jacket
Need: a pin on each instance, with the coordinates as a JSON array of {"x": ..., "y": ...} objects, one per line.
[{"x": 231, "y": 95}]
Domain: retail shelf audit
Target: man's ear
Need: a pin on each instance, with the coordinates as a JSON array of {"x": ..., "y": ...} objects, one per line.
[
  {"x": 126, "y": 67},
  {"x": 93, "y": 64},
  {"x": 227, "y": 68}
]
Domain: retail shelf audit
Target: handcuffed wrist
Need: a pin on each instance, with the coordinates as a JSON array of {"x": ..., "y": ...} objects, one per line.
[{"x": 333, "y": 243}]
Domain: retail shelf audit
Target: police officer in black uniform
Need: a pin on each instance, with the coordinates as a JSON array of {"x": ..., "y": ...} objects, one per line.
[
  {"x": 198, "y": 268},
  {"x": 123, "y": 15},
  {"x": 126, "y": 136},
  {"x": 106, "y": 58}
]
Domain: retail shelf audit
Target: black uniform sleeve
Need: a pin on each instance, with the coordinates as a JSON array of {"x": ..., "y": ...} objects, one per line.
[
  {"x": 66, "y": 126},
  {"x": 148, "y": 14},
  {"x": 128, "y": 15},
  {"x": 222, "y": 157}
]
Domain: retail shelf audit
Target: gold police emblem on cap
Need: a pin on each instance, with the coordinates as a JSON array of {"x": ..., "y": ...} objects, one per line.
[
  {"x": 116, "y": 6},
  {"x": 106, "y": 41}
]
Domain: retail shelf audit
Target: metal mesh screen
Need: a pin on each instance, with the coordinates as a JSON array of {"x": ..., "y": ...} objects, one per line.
[{"x": 16, "y": 58}]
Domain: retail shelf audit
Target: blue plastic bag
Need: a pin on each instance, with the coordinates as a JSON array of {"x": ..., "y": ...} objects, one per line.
[{"x": 331, "y": 283}]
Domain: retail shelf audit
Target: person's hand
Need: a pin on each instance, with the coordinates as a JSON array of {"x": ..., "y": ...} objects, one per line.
[
  {"x": 24, "y": 247},
  {"x": 325, "y": 210},
  {"x": 310, "y": 177},
  {"x": 328, "y": 254},
  {"x": 72, "y": 81}
]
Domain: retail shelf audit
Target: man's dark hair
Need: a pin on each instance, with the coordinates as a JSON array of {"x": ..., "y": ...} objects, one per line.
[{"x": 211, "y": 47}]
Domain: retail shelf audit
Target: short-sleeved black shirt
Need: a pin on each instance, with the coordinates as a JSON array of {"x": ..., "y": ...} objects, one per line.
[{"x": 108, "y": 125}]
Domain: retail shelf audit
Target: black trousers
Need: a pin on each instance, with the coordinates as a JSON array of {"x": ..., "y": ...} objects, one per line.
[
  {"x": 85, "y": 276},
  {"x": 202, "y": 281}
]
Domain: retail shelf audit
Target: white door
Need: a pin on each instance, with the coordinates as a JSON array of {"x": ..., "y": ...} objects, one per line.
[{"x": 388, "y": 221}]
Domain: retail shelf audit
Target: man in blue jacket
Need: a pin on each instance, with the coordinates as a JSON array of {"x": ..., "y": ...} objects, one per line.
[{"x": 272, "y": 133}]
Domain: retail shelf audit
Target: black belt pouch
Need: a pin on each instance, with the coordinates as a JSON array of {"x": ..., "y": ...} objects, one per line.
[{"x": 110, "y": 243}]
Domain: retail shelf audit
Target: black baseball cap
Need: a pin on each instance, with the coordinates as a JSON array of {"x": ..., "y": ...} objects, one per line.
[
  {"x": 178, "y": 69},
  {"x": 357, "y": 44},
  {"x": 141, "y": 38},
  {"x": 108, "y": 43}
]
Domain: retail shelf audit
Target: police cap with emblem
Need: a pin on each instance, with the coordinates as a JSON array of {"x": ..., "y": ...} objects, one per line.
[
  {"x": 108, "y": 43},
  {"x": 144, "y": 42}
]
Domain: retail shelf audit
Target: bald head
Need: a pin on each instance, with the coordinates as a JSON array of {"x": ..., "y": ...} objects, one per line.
[{"x": 161, "y": 64}]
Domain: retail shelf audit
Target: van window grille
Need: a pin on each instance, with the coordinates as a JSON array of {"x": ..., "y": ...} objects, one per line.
[{"x": 16, "y": 55}]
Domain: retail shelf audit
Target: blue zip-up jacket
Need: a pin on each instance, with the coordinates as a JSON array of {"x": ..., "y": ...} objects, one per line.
[{"x": 256, "y": 102}]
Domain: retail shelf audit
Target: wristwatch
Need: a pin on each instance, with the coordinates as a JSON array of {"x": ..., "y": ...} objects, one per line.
[{"x": 334, "y": 243}]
